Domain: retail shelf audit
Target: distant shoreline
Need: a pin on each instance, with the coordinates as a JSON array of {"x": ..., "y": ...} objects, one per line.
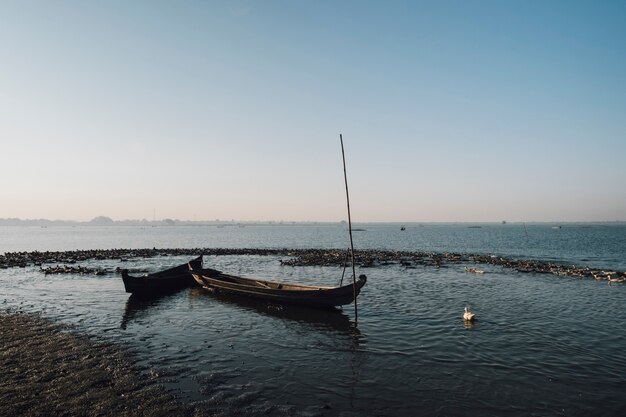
[{"x": 105, "y": 221}]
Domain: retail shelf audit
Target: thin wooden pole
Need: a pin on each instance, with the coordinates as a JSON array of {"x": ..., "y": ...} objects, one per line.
[
  {"x": 345, "y": 176},
  {"x": 345, "y": 262}
]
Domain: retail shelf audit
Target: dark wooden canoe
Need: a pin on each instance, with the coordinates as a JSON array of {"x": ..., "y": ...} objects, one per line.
[
  {"x": 277, "y": 292},
  {"x": 163, "y": 281}
]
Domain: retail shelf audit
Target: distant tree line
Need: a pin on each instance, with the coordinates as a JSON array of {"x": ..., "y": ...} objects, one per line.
[
  {"x": 96, "y": 221},
  {"x": 107, "y": 221}
]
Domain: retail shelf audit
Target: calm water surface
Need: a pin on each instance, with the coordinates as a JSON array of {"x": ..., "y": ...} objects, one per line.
[{"x": 543, "y": 345}]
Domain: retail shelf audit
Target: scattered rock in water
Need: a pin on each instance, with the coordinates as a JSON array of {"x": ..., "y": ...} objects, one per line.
[
  {"x": 66, "y": 269},
  {"x": 302, "y": 257}
]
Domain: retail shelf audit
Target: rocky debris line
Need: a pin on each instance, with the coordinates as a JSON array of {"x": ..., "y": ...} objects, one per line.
[
  {"x": 24, "y": 259},
  {"x": 543, "y": 267},
  {"x": 86, "y": 270},
  {"x": 374, "y": 258},
  {"x": 305, "y": 257},
  {"x": 67, "y": 269},
  {"x": 366, "y": 258}
]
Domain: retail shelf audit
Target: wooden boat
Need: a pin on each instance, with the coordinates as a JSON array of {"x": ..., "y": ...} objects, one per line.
[
  {"x": 277, "y": 292},
  {"x": 163, "y": 281}
]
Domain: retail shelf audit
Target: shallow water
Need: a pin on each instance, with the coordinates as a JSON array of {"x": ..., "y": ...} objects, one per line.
[
  {"x": 602, "y": 246},
  {"x": 542, "y": 345}
]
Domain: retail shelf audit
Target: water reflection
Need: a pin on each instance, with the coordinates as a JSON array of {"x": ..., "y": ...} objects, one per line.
[
  {"x": 137, "y": 304},
  {"x": 468, "y": 324},
  {"x": 333, "y": 319},
  {"x": 531, "y": 354}
]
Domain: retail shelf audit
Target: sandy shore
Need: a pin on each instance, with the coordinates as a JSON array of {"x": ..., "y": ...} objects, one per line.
[{"x": 50, "y": 372}]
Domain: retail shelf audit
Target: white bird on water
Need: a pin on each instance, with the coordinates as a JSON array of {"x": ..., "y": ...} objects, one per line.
[{"x": 468, "y": 315}]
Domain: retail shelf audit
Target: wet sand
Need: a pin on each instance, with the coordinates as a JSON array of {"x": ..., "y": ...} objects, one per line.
[{"x": 50, "y": 371}]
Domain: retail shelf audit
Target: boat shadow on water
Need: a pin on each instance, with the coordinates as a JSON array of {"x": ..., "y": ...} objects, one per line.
[
  {"x": 138, "y": 304},
  {"x": 323, "y": 319}
]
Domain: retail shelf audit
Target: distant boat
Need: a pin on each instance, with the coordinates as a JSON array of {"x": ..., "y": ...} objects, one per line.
[
  {"x": 161, "y": 282},
  {"x": 277, "y": 292},
  {"x": 403, "y": 228},
  {"x": 556, "y": 227}
]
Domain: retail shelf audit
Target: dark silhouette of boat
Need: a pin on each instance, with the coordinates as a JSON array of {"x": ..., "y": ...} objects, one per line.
[
  {"x": 323, "y": 319},
  {"x": 277, "y": 292},
  {"x": 165, "y": 281},
  {"x": 139, "y": 303}
]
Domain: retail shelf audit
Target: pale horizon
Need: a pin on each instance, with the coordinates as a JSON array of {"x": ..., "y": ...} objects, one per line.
[
  {"x": 450, "y": 111},
  {"x": 287, "y": 222}
]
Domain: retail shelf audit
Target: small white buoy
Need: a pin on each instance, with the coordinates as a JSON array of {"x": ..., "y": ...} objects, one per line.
[{"x": 468, "y": 315}]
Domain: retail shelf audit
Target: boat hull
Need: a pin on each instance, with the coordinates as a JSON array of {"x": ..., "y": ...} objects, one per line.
[
  {"x": 161, "y": 282},
  {"x": 280, "y": 293}
]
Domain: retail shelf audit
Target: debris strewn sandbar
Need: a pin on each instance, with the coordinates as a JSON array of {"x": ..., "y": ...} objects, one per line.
[{"x": 307, "y": 257}]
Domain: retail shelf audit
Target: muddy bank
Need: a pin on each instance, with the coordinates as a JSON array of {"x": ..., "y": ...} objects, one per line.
[{"x": 49, "y": 372}]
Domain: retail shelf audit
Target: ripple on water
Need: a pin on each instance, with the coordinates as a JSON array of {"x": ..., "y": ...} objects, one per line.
[{"x": 541, "y": 344}]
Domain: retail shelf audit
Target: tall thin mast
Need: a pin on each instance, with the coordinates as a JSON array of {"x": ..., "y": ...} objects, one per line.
[{"x": 345, "y": 176}]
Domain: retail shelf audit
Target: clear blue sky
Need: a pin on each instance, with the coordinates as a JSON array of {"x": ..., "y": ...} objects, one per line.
[{"x": 450, "y": 111}]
